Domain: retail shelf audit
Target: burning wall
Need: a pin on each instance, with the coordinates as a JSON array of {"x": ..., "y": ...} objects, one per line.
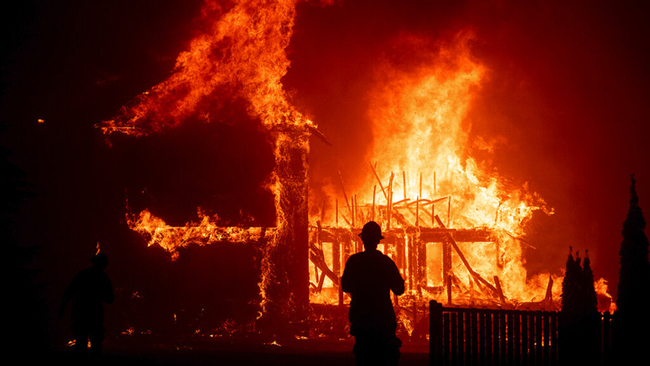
[{"x": 242, "y": 51}]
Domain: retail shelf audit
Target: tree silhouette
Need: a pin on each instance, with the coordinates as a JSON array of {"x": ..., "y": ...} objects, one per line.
[
  {"x": 590, "y": 322},
  {"x": 579, "y": 333},
  {"x": 571, "y": 286},
  {"x": 634, "y": 280},
  {"x": 25, "y": 307},
  {"x": 588, "y": 291},
  {"x": 632, "y": 319}
]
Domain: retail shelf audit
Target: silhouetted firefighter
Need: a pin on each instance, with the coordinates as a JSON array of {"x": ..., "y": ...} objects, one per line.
[
  {"x": 88, "y": 291},
  {"x": 369, "y": 277},
  {"x": 632, "y": 319}
]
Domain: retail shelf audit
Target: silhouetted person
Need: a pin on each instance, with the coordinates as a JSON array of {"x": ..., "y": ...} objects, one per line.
[
  {"x": 369, "y": 277},
  {"x": 88, "y": 291}
]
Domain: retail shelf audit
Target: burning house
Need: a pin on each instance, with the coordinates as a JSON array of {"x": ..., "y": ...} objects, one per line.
[{"x": 454, "y": 228}]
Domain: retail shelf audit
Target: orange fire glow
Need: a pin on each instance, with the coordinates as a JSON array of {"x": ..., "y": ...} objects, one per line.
[
  {"x": 422, "y": 169},
  {"x": 420, "y": 165},
  {"x": 242, "y": 50}
]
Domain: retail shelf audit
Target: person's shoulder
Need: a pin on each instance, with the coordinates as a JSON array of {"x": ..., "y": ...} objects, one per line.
[
  {"x": 83, "y": 273},
  {"x": 360, "y": 259},
  {"x": 376, "y": 256},
  {"x": 355, "y": 257},
  {"x": 387, "y": 259}
]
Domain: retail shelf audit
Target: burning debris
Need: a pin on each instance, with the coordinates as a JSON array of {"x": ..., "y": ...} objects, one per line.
[{"x": 428, "y": 253}]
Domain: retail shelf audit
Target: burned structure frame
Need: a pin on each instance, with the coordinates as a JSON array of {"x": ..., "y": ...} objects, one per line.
[{"x": 408, "y": 241}]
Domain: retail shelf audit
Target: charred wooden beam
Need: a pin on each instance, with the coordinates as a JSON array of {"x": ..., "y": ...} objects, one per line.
[
  {"x": 347, "y": 202},
  {"x": 318, "y": 258},
  {"x": 379, "y": 180},
  {"x": 411, "y": 262},
  {"x": 446, "y": 264},
  {"x": 470, "y": 235},
  {"x": 427, "y": 235},
  {"x": 449, "y": 298},
  {"x": 522, "y": 240},
  {"x": 315, "y": 132},
  {"x": 499, "y": 290},
  {"x": 422, "y": 262},
  {"x": 477, "y": 278},
  {"x": 390, "y": 200},
  {"x": 336, "y": 254},
  {"x": 549, "y": 291}
]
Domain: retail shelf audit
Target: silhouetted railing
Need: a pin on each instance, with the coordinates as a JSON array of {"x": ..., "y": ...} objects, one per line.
[{"x": 460, "y": 336}]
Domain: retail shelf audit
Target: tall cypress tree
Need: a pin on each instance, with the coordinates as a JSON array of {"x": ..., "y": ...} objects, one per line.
[
  {"x": 568, "y": 315},
  {"x": 590, "y": 299},
  {"x": 579, "y": 318},
  {"x": 590, "y": 334},
  {"x": 570, "y": 286},
  {"x": 634, "y": 275},
  {"x": 632, "y": 319}
]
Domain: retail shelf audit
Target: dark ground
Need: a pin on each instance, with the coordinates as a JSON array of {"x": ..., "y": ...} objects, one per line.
[{"x": 220, "y": 352}]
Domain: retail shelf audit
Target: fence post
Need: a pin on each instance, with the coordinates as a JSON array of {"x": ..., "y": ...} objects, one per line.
[
  {"x": 554, "y": 339},
  {"x": 607, "y": 338},
  {"x": 435, "y": 333}
]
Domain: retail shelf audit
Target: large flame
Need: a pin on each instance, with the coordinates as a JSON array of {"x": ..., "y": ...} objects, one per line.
[
  {"x": 421, "y": 167},
  {"x": 242, "y": 51},
  {"x": 420, "y": 132},
  {"x": 241, "y": 54}
]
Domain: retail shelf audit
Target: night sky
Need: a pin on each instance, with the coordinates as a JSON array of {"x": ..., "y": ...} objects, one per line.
[{"x": 567, "y": 96}]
